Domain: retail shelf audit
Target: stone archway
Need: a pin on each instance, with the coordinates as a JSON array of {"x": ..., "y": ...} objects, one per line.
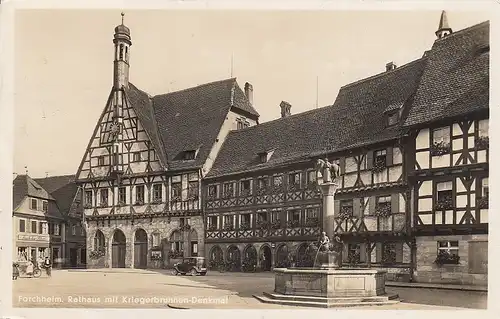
[
  {"x": 216, "y": 257},
  {"x": 234, "y": 258},
  {"x": 118, "y": 249},
  {"x": 249, "y": 258},
  {"x": 282, "y": 260},
  {"x": 140, "y": 249},
  {"x": 265, "y": 257}
]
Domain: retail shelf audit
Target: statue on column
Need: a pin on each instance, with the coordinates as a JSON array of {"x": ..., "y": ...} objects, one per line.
[{"x": 329, "y": 171}]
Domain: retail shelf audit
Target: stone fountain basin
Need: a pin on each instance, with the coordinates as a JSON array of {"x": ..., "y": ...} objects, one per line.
[{"x": 330, "y": 282}]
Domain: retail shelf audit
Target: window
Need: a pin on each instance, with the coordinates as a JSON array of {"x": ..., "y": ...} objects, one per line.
[
  {"x": 82, "y": 230},
  {"x": 388, "y": 253},
  {"x": 444, "y": 195},
  {"x": 275, "y": 216},
  {"x": 263, "y": 157},
  {"x": 104, "y": 198},
  {"x": 136, "y": 157},
  {"x": 212, "y": 223},
  {"x": 278, "y": 183},
  {"x": 262, "y": 216},
  {"x": 189, "y": 155},
  {"x": 294, "y": 181},
  {"x": 34, "y": 204},
  {"x": 312, "y": 212},
  {"x": 484, "y": 188},
  {"x": 33, "y": 226},
  {"x": 354, "y": 253},
  {"x": 383, "y": 206},
  {"x": 157, "y": 192},
  {"x": 447, "y": 252},
  {"x": 122, "y": 196},
  {"x": 99, "y": 240},
  {"x": 293, "y": 218},
  {"x": 228, "y": 222},
  {"x": 213, "y": 191},
  {"x": 239, "y": 124},
  {"x": 100, "y": 160},
  {"x": 121, "y": 51},
  {"x": 441, "y": 135},
  {"x": 88, "y": 199},
  {"x": 22, "y": 254},
  {"x": 57, "y": 230},
  {"x": 311, "y": 178},
  {"x": 176, "y": 191},
  {"x": 139, "y": 194},
  {"x": 483, "y": 128},
  {"x": 73, "y": 230},
  {"x": 245, "y": 188},
  {"x": 45, "y": 206},
  {"x": 346, "y": 208},
  {"x": 156, "y": 239},
  {"x": 393, "y": 118},
  {"x": 245, "y": 221},
  {"x": 482, "y": 139},
  {"x": 379, "y": 160},
  {"x": 229, "y": 190},
  {"x": 45, "y": 228},
  {"x": 22, "y": 226},
  {"x": 193, "y": 190},
  {"x": 262, "y": 185}
]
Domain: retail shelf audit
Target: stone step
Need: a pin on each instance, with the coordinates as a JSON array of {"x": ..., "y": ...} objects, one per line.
[
  {"x": 320, "y": 304},
  {"x": 381, "y": 298}
]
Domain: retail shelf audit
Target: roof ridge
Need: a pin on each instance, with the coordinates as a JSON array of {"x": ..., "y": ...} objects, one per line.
[
  {"x": 451, "y": 35},
  {"x": 372, "y": 77},
  {"x": 197, "y": 86}
]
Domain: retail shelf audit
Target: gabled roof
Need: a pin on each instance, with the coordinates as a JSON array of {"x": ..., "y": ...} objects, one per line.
[
  {"x": 456, "y": 80},
  {"x": 355, "y": 119},
  {"x": 62, "y": 188},
  {"x": 23, "y": 186},
  {"x": 192, "y": 118}
]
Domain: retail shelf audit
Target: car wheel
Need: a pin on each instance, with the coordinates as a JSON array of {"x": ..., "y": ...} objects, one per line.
[
  {"x": 174, "y": 272},
  {"x": 193, "y": 272},
  {"x": 203, "y": 273}
]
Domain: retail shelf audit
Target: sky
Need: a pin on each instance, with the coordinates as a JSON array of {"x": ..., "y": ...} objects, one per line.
[{"x": 64, "y": 63}]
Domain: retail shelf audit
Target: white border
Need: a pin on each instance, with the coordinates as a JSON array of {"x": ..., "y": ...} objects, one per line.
[{"x": 7, "y": 9}]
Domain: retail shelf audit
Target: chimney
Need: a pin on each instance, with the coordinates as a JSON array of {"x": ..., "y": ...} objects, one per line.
[
  {"x": 249, "y": 92},
  {"x": 285, "y": 109},
  {"x": 390, "y": 66}
]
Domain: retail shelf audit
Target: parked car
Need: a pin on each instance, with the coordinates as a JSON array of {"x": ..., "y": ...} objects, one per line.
[{"x": 191, "y": 265}]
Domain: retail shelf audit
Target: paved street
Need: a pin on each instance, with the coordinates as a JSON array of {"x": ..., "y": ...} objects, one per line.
[{"x": 128, "y": 288}]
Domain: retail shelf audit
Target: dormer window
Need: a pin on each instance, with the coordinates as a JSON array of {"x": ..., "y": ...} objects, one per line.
[
  {"x": 242, "y": 123},
  {"x": 393, "y": 118},
  {"x": 263, "y": 157},
  {"x": 189, "y": 155}
]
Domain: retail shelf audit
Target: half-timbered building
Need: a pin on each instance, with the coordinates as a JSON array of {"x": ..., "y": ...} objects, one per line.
[
  {"x": 262, "y": 203},
  {"x": 141, "y": 171},
  {"x": 447, "y": 157}
]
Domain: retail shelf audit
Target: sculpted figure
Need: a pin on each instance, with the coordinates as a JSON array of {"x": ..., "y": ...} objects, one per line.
[{"x": 324, "y": 167}]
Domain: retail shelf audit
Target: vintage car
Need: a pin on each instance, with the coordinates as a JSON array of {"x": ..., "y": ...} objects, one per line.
[{"x": 191, "y": 265}]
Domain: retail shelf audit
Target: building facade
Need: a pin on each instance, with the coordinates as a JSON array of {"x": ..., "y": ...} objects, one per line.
[{"x": 140, "y": 175}]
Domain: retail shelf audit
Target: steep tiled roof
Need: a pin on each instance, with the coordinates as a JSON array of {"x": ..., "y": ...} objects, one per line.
[
  {"x": 23, "y": 186},
  {"x": 355, "y": 119},
  {"x": 143, "y": 107},
  {"x": 62, "y": 188},
  {"x": 456, "y": 80},
  {"x": 192, "y": 118}
]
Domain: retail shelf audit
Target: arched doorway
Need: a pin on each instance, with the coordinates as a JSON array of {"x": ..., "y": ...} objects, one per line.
[
  {"x": 282, "y": 260},
  {"x": 140, "y": 249},
  {"x": 304, "y": 258},
  {"x": 265, "y": 258},
  {"x": 249, "y": 258},
  {"x": 193, "y": 243},
  {"x": 118, "y": 249},
  {"x": 216, "y": 257},
  {"x": 234, "y": 258}
]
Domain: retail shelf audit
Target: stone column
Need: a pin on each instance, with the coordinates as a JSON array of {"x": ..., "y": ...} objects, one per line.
[{"x": 328, "y": 190}]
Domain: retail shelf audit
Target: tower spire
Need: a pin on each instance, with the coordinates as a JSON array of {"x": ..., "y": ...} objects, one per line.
[
  {"x": 443, "y": 28},
  {"x": 122, "y": 41},
  {"x": 123, "y": 16}
]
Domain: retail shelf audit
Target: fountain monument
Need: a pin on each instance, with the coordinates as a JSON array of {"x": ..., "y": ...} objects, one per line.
[{"x": 327, "y": 283}]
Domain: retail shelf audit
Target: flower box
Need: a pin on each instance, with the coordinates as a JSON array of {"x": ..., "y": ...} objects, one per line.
[
  {"x": 379, "y": 166},
  {"x": 383, "y": 211},
  {"x": 87, "y": 206},
  {"x": 444, "y": 204},
  {"x": 444, "y": 258},
  {"x": 157, "y": 201},
  {"x": 294, "y": 187},
  {"x": 245, "y": 193},
  {"x": 345, "y": 212},
  {"x": 193, "y": 197},
  {"x": 262, "y": 191},
  {"x": 277, "y": 189},
  {"x": 276, "y": 224},
  {"x": 139, "y": 203},
  {"x": 354, "y": 258},
  {"x": 103, "y": 205},
  {"x": 185, "y": 227},
  {"x": 312, "y": 222},
  {"x": 121, "y": 204},
  {"x": 212, "y": 227},
  {"x": 228, "y": 227},
  {"x": 262, "y": 224},
  {"x": 482, "y": 143},
  {"x": 293, "y": 224},
  {"x": 439, "y": 149},
  {"x": 245, "y": 226},
  {"x": 482, "y": 202},
  {"x": 175, "y": 199}
]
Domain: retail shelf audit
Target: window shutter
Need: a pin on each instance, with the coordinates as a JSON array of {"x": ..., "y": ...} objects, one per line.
[
  {"x": 362, "y": 252},
  {"x": 371, "y": 205},
  {"x": 399, "y": 252},
  {"x": 395, "y": 203},
  {"x": 356, "y": 207},
  {"x": 389, "y": 157},
  {"x": 378, "y": 252},
  {"x": 336, "y": 208},
  {"x": 345, "y": 252},
  {"x": 369, "y": 160},
  {"x": 342, "y": 165}
]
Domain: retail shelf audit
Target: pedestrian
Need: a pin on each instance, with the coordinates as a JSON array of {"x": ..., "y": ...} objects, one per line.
[
  {"x": 29, "y": 268},
  {"x": 48, "y": 266}
]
